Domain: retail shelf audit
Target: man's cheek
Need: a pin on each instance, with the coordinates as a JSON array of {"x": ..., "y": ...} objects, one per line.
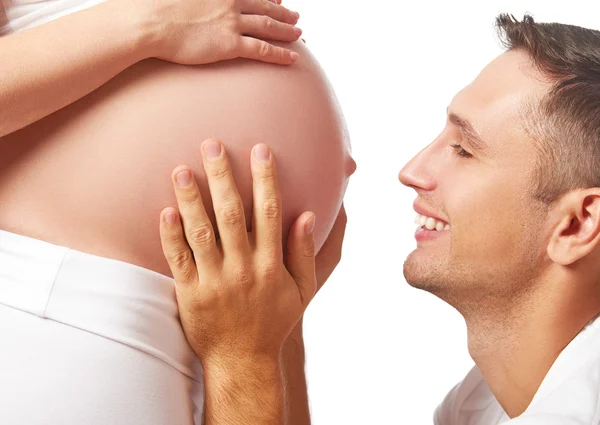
[{"x": 476, "y": 241}]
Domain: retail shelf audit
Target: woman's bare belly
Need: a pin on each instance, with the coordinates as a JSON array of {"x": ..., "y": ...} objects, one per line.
[{"x": 94, "y": 176}]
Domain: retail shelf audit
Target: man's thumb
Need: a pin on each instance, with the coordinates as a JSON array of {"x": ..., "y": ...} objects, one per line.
[{"x": 301, "y": 255}]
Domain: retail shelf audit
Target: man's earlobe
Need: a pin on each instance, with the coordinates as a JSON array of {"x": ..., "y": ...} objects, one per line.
[{"x": 578, "y": 230}]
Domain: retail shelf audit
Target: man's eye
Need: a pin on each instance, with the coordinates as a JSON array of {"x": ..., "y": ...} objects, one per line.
[{"x": 461, "y": 152}]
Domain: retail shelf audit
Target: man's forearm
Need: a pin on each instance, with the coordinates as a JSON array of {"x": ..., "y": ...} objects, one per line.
[
  {"x": 243, "y": 392},
  {"x": 296, "y": 395}
]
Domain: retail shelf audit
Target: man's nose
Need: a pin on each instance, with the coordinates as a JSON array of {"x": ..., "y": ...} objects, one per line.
[{"x": 416, "y": 173}]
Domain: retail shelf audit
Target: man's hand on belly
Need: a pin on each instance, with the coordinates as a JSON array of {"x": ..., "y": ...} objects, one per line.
[{"x": 239, "y": 299}]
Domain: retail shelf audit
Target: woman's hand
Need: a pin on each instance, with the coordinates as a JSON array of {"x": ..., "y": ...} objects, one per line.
[
  {"x": 237, "y": 299},
  {"x": 195, "y": 32}
]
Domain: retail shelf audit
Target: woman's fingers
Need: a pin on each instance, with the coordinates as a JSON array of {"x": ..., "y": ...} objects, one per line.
[
  {"x": 265, "y": 20},
  {"x": 267, "y": 207},
  {"x": 268, "y": 28},
  {"x": 300, "y": 260},
  {"x": 267, "y": 8},
  {"x": 176, "y": 249},
  {"x": 253, "y": 48},
  {"x": 227, "y": 203}
]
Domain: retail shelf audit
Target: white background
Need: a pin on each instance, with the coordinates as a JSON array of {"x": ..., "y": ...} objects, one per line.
[{"x": 378, "y": 351}]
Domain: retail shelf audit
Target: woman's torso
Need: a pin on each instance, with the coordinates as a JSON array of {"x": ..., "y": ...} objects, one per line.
[{"x": 95, "y": 175}]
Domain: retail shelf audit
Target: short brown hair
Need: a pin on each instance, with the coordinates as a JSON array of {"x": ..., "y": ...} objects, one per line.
[{"x": 566, "y": 123}]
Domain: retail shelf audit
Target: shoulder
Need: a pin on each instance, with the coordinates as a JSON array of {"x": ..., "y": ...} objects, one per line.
[
  {"x": 569, "y": 397},
  {"x": 571, "y": 389}
]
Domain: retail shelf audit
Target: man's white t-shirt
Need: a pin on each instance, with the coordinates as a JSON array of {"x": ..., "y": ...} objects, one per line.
[{"x": 568, "y": 395}]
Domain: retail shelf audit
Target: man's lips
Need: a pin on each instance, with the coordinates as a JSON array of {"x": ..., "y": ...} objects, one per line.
[{"x": 428, "y": 213}]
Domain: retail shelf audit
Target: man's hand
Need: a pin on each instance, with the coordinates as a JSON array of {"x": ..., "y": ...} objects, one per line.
[{"x": 238, "y": 302}]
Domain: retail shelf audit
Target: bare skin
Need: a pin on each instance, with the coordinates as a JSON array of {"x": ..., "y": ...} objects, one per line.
[
  {"x": 116, "y": 34},
  {"x": 94, "y": 175},
  {"x": 522, "y": 273},
  {"x": 241, "y": 297}
]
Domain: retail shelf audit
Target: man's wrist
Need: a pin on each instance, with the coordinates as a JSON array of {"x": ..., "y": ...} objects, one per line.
[
  {"x": 231, "y": 364},
  {"x": 246, "y": 390},
  {"x": 296, "y": 337},
  {"x": 293, "y": 359}
]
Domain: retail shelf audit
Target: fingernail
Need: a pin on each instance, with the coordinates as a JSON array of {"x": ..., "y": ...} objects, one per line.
[
  {"x": 212, "y": 149},
  {"x": 294, "y": 56},
  {"x": 296, "y": 15},
  {"x": 261, "y": 152},
  {"x": 170, "y": 218},
  {"x": 309, "y": 226},
  {"x": 297, "y": 32},
  {"x": 184, "y": 178}
]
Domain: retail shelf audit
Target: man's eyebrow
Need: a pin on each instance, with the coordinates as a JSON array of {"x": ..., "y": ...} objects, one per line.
[{"x": 469, "y": 131}]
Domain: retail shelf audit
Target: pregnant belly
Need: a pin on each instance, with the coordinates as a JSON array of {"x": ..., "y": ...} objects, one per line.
[{"x": 94, "y": 176}]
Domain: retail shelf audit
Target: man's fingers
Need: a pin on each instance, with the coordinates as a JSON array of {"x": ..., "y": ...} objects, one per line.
[
  {"x": 227, "y": 203},
  {"x": 267, "y": 207},
  {"x": 268, "y": 28},
  {"x": 198, "y": 229},
  {"x": 176, "y": 250},
  {"x": 300, "y": 260},
  {"x": 260, "y": 50},
  {"x": 270, "y": 9}
]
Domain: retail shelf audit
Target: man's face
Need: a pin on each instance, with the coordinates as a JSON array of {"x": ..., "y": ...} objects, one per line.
[{"x": 477, "y": 178}]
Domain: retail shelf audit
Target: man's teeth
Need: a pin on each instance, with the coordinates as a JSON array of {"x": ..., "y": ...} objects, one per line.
[{"x": 431, "y": 223}]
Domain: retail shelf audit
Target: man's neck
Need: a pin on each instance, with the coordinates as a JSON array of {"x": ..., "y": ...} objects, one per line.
[{"x": 515, "y": 346}]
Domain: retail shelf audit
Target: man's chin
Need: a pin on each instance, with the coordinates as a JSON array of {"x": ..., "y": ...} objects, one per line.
[
  {"x": 422, "y": 274},
  {"x": 414, "y": 272}
]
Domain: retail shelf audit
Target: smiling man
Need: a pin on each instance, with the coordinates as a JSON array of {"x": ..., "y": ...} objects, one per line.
[{"x": 509, "y": 207}]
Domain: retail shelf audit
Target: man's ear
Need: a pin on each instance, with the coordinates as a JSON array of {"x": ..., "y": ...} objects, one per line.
[{"x": 578, "y": 230}]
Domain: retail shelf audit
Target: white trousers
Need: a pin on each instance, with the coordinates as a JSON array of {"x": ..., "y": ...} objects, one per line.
[{"x": 90, "y": 340}]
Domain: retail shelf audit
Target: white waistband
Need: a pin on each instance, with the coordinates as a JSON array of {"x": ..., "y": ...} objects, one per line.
[{"x": 117, "y": 300}]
